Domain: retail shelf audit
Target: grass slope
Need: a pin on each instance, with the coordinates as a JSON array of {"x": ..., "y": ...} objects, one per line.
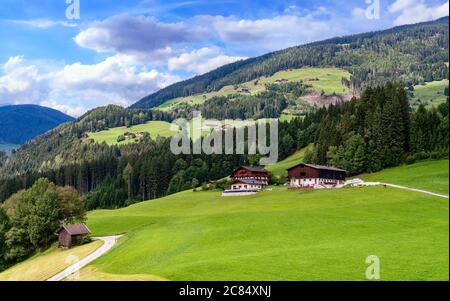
[
  {"x": 321, "y": 79},
  {"x": 45, "y": 265},
  {"x": 154, "y": 128},
  {"x": 280, "y": 235},
  {"x": 162, "y": 128},
  {"x": 427, "y": 175},
  {"x": 93, "y": 274},
  {"x": 280, "y": 168},
  {"x": 431, "y": 94}
]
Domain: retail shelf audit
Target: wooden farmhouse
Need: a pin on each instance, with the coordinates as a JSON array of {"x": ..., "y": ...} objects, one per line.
[
  {"x": 72, "y": 235},
  {"x": 315, "y": 176},
  {"x": 248, "y": 180}
]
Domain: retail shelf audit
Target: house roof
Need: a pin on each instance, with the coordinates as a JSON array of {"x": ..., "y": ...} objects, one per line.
[
  {"x": 76, "y": 229},
  {"x": 250, "y": 182},
  {"x": 322, "y": 167},
  {"x": 251, "y": 168}
]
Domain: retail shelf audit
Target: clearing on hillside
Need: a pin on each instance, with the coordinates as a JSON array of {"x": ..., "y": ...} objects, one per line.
[
  {"x": 328, "y": 80},
  {"x": 280, "y": 235},
  {"x": 430, "y": 94},
  {"x": 154, "y": 128}
]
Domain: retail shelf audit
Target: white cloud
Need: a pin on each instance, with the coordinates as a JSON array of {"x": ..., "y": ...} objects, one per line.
[
  {"x": 77, "y": 87},
  {"x": 359, "y": 12},
  {"x": 201, "y": 60},
  {"x": 415, "y": 11},
  {"x": 21, "y": 83},
  {"x": 132, "y": 34},
  {"x": 72, "y": 110},
  {"x": 272, "y": 33},
  {"x": 44, "y": 23}
]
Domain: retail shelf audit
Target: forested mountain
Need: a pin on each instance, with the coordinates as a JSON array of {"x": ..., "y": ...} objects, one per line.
[
  {"x": 20, "y": 123},
  {"x": 411, "y": 54}
]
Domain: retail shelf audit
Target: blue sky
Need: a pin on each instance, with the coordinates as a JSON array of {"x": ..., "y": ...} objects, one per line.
[{"x": 119, "y": 51}]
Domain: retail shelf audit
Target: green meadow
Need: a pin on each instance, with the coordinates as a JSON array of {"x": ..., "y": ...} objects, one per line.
[
  {"x": 154, "y": 128},
  {"x": 162, "y": 129},
  {"x": 280, "y": 168},
  {"x": 327, "y": 80},
  {"x": 282, "y": 234},
  {"x": 431, "y": 94},
  {"x": 427, "y": 175}
]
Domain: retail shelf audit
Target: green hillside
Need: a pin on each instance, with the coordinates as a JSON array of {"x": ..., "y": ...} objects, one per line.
[
  {"x": 428, "y": 175},
  {"x": 162, "y": 128},
  {"x": 281, "y": 235},
  {"x": 280, "y": 168},
  {"x": 154, "y": 128},
  {"x": 430, "y": 94},
  {"x": 413, "y": 53},
  {"x": 328, "y": 80}
]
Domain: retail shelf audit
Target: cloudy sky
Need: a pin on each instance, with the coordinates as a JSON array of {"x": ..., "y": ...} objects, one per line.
[{"x": 120, "y": 51}]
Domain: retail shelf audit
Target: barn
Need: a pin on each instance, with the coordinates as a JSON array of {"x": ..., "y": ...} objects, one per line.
[
  {"x": 72, "y": 235},
  {"x": 315, "y": 176}
]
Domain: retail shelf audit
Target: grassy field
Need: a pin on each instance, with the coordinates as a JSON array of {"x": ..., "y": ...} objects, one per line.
[
  {"x": 280, "y": 168},
  {"x": 45, "y": 265},
  {"x": 93, "y": 274},
  {"x": 279, "y": 235},
  {"x": 321, "y": 79},
  {"x": 162, "y": 128},
  {"x": 154, "y": 128},
  {"x": 432, "y": 93},
  {"x": 427, "y": 175}
]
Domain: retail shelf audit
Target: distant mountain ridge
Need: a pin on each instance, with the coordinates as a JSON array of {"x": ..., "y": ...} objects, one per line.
[
  {"x": 20, "y": 123},
  {"x": 413, "y": 54}
]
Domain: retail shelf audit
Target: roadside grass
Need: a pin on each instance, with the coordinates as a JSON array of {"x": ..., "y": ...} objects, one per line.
[
  {"x": 431, "y": 94},
  {"x": 280, "y": 235},
  {"x": 44, "y": 265},
  {"x": 93, "y": 274},
  {"x": 427, "y": 175},
  {"x": 327, "y": 80}
]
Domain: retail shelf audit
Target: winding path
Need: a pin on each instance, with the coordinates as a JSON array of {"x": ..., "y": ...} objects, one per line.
[{"x": 109, "y": 242}]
